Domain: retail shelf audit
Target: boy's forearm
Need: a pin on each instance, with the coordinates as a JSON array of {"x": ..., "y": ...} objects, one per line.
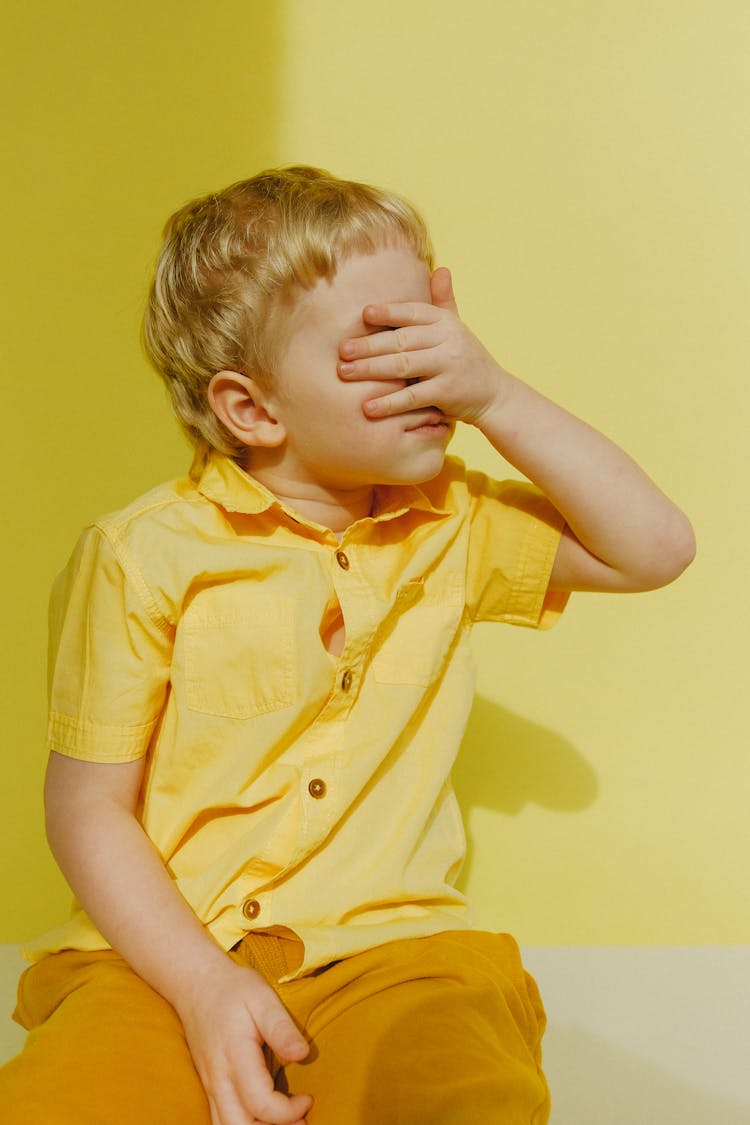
[
  {"x": 612, "y": 507},
  {"x": 120, "y": 880}
]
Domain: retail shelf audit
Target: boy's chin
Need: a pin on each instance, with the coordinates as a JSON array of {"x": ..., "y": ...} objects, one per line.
[{"x": 425, "y": 473}]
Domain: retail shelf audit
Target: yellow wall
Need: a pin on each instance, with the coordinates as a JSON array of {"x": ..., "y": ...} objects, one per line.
[
  {"x": 115, "y": 115},
  {"x": 584, "y": 167},
  {"x": 584, "y": 170}
]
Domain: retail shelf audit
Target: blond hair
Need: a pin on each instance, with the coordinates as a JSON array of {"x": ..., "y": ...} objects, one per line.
[{"x": 229, "y": 258}]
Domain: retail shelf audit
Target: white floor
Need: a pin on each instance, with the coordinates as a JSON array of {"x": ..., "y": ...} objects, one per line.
[
  {"x": 645, "y": 1035},
  {"x": 11, "y": 967}
]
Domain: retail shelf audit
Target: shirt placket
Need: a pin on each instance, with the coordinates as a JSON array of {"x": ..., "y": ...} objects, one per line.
[{"x": 322, "y": 747}]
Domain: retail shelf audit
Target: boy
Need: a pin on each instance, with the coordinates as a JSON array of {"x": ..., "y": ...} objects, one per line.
[{"x": 260, "y": 680}]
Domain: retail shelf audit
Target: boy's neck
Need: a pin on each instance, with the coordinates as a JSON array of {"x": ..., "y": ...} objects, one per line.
[{"x": 333, "y": 508}]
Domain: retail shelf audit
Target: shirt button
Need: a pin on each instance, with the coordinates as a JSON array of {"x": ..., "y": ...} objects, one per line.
[
  {"x": 317, "y": 788},
  {"x": 342, "y": 559},
  {"x": 251, "y": 908},
  {"x": 347, "y": 679}
]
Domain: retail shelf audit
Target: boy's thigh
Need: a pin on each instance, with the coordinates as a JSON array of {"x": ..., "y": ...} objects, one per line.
[
  {"x": 435, "y": 1031},
  {"x": 103, "y": 1049}
]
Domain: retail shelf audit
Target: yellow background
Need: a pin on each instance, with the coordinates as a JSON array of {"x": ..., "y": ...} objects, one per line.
[{"x": 585, "y": 170}]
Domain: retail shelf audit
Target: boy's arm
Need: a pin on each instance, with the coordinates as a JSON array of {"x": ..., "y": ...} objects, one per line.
[
  {"x": 119, "y": 878},
  {"x": 622, "y": 534}
]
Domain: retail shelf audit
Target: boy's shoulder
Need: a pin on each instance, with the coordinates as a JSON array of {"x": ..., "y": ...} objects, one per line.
[
  {"x": 174, "y": 501},
  {"x": 157, "y": 542}
]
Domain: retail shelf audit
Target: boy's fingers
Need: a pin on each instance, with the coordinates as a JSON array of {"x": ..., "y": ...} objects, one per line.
[
  {"x": 214, "y": 1110},
  {"x": 275, "y": 1026},
  {"x": 282, "y": 1036},
  {"x": 383, "y": 343},
  {"x": 414, "y": 397},
  {"x": 395, "y": 365},
  {"x": 259, "y": 1098},
  {"x": 403, "y": 312},
  {"x": 227, "y": 1110},
  {"x": 441, "y": 288}
]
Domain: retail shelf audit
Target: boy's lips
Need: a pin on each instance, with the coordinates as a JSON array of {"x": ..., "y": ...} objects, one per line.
[{"x": 431, "y": 418}]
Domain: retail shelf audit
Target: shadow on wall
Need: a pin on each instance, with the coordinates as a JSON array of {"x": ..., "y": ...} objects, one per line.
[
  {"x": 594, "y": 1082},
  {"x": 506, "y": 762}
]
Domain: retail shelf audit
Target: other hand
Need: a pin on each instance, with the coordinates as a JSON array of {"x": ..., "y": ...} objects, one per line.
[{"x": 227, "y": 1021}]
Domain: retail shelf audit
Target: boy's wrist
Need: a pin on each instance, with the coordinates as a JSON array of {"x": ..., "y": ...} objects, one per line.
[
  {"x": 495, "y": 416},
  {"x": 189, "y": 978}
]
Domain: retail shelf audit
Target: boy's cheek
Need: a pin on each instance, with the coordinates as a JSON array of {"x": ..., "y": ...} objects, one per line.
[{"x": 379, "y": 389}]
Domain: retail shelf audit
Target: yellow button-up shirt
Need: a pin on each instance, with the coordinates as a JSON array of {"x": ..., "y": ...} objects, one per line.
[{"x": 283, "y": 786}]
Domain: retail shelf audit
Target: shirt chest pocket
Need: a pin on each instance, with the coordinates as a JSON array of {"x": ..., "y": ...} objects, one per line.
[
  {"x": 427, "y": 623},
  {"x": 240, "y": 656}
]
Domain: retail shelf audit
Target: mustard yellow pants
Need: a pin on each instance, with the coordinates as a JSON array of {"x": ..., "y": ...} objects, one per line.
[{"x": 442, "y": 1030}]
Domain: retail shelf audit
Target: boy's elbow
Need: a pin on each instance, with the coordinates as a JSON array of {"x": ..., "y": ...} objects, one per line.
[
  {"x": 687, "y": 546},
  {"x": 673, "y": 554}
]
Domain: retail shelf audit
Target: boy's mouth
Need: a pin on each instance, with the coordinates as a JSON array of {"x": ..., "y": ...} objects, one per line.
[{"x": 430, "y": 419}]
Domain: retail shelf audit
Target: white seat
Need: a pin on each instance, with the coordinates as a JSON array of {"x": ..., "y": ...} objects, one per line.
[{"x": 12, "y": 1036}]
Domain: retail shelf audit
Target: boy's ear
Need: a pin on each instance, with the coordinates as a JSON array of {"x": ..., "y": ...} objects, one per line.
[{"x": 245, "y": 409}]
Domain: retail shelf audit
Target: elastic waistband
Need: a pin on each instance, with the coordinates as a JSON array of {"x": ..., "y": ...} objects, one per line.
[{"x": 273, "y": 955}]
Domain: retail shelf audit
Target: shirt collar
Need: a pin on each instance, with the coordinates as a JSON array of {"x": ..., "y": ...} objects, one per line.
[{"x": 223, "y": 481}]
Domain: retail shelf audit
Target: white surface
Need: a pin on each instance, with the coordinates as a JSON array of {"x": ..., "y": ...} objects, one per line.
[
  {"x": 644, "y": 1035},
  {"x": 12, "y": 1036}
]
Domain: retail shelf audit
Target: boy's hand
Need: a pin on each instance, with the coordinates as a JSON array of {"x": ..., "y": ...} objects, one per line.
[
  {"x": 227, "y": 1020},
  {"x": 442, "y": 362}
]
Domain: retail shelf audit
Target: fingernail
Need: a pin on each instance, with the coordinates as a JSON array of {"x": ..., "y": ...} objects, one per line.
[{"x": 346, "y": 368}]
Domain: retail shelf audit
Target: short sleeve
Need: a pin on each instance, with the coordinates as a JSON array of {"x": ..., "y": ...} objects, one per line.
[
  {"x": 514, "y": 535},
  {"x": 109, "y": 657}
]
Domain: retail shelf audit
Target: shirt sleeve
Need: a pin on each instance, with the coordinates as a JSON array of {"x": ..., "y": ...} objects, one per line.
[
  {"x": 109, "y": 656},
  {"x": 514, "y": 535}
]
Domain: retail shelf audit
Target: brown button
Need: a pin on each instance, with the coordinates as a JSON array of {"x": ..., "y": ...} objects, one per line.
[
  {"x": 347, "y": 679},
  {"x": 342, "y": 560},
  {"x": 317, "y": 788},
  {"x": 251, "y": 908}
]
